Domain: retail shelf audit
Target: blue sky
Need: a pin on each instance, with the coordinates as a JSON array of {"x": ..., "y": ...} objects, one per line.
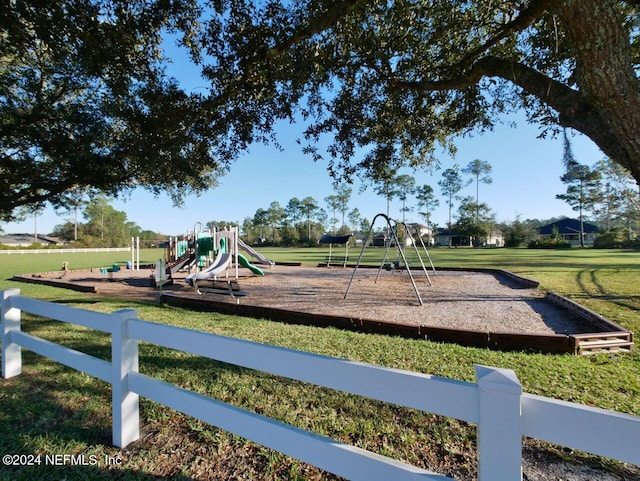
[{"x": 526, "y": 178}]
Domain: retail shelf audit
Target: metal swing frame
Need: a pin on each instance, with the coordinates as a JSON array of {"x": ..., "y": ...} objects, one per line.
[{"x": 394, "y": 237}]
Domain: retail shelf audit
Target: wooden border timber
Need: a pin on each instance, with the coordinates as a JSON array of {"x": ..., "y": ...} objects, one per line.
[
  {"x": 545, "y": 343},
  {"x": 600, "y": 321},
  {"x": 55, "y": 283},
  {"x": 605, "y": 341},
  {"x": 611, "y": 338}
]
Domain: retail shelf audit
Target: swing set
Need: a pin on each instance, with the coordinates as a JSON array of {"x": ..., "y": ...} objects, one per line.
[{"x": 387, "y": 263}]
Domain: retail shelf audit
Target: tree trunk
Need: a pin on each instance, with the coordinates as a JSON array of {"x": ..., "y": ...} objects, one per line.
[
  {"x": 605, "y": 106},
  {"x": 606, "y": 79},
  {"x": 75, "y": 225},
  {"x": 581, "y": 228}
]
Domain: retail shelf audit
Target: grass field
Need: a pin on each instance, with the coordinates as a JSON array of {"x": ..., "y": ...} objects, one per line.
[{"x": 53, "y": 410}]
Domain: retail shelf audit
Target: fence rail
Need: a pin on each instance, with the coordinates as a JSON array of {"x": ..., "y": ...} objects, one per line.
[
  {"x": 495, "y": 403},
  {"x": 65, "y": 251}
]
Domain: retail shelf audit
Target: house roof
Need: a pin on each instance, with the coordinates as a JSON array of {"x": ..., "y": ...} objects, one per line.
[
  {"x": 26, "y": 239},
  {"x": 16, "y": 238},
  {"x": 567, "y": 226}
]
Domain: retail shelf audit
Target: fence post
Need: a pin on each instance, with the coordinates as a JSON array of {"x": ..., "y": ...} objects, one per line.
[
  {"x": 124, "y": 359},
  {"x": 10, "y": 321},
  {"x": 499, "y": 429}
]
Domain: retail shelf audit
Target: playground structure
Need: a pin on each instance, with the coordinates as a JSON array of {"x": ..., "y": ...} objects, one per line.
[
  {"x": 394, "y": 239},
  {"x": 210, "y": 254},
  {"x": 342, "y": 240}
]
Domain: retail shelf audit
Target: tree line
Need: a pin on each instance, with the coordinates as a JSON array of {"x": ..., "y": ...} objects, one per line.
[
  {"x": 94, "y": 222},
  {"x": 606, "y": 191}
]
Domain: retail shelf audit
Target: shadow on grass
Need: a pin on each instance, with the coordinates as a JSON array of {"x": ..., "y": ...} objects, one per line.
[
  {"x": 593, "y": 288},
  {"x": 85, "y": 301},
  {"x": 51, "y": 411},
  {"x": 58, "y": 427}
]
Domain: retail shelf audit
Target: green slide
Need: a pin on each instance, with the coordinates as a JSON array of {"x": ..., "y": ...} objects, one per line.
[{"x": 244, "y": 262}]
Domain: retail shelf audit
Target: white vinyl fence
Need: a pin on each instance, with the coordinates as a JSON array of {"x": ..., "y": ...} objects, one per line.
[
  {"x": 64, "y": 251},
  {"x": 496, "y": 404}
]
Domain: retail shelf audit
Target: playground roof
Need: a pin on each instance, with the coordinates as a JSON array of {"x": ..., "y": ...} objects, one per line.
[{"x": 332, "y": 239}]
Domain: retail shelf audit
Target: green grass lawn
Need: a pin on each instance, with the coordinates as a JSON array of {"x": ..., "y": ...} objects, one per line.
[{"x": 51, "y": 409}]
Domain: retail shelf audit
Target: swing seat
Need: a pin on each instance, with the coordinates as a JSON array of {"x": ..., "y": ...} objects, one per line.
[{"x": 391, "y": 267}]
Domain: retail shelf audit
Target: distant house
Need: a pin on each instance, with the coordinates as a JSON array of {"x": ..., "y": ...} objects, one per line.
[
  {"x": 419, "y": 230},
  {"x": 446, "y": 237},
  {"x": 379, "y": 240},
  {"x": 422, "y": 229},
  {"x": 25, "y": 240},
  {"x": 569, "y": 231},
  {"x": 359, "y": 239},
  {"x": 493, "y": 239}
]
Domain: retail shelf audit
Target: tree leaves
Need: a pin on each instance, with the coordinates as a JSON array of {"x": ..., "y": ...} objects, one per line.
[
  {"x": 85, "y": 104},
  {"x": 392, "y": 82}
]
